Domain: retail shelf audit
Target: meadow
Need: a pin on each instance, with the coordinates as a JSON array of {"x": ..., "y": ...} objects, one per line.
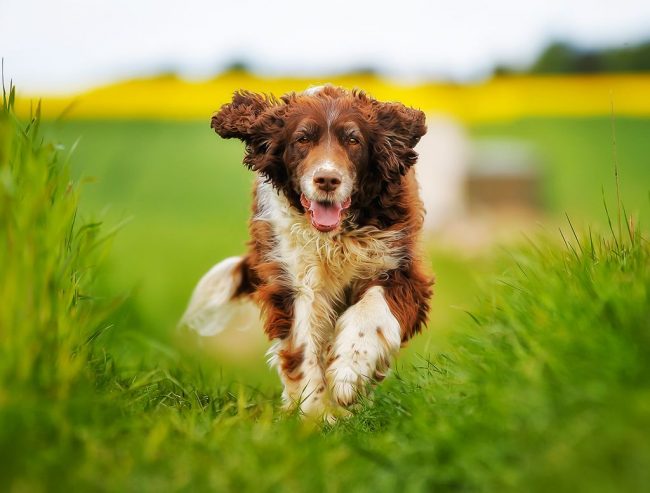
[
  {"x": 186, "y": 198},
  {"x": 533, "y": 374}
]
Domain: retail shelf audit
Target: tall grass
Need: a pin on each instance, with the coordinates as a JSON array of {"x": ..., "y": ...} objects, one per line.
[
  {"x": 48, "y": 312},
  {"x": 545, "y": 388},
  {"x": 549, "y": 389}
]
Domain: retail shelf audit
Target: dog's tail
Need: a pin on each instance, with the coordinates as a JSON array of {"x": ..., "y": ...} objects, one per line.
[{"x": 220, "y": 302}]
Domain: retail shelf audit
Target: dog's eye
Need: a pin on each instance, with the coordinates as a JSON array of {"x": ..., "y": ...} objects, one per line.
[
  {"x": 353, "y": 141},
  {"x": 303, "y": 139}
]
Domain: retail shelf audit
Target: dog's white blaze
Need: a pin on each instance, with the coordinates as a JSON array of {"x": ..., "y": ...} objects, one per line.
[
  {"x": 341, "y": 193},
  {"x": 211, "y": 308},
  {"x": 320, "y": 267},
  {"x": 326, "y": 166},
  {"x": 367, "y": 336}
]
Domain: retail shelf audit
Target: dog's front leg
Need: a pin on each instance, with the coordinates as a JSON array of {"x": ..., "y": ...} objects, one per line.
[
  {"x": 299, "y": 361},
  {"x": 367, "y": 335}
]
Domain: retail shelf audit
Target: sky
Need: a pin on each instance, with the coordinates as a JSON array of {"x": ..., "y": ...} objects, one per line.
[{"x": 61, "y": 46}]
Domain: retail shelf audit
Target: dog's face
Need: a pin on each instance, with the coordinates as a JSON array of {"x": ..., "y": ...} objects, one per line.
[{"x": 328, "y": 150}]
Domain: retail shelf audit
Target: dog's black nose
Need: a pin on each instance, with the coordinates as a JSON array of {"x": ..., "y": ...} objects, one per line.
[{"x": 327, "y": 181}]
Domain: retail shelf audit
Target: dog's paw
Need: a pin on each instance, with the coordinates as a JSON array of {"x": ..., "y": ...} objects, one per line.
[
  {"x": 336, "y": 414},
  {"x": 367, "y": 336},
  {"x": 345, "y": 384}
]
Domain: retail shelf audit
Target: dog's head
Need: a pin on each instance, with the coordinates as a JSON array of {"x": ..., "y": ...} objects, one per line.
[{"x": 327, "y": 149}]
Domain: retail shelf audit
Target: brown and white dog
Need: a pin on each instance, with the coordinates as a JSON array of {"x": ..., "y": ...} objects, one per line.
[{"x": 333, "y": 261}]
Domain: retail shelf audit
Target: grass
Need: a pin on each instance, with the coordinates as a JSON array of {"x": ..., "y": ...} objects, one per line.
[
  {"x": 170, "y": 181},
  {"x": 50, "y": 315},
  {"x": 188, "y": 199},
  {"x": 577, "y": 160},
  {"x": 542, "y": 386}
]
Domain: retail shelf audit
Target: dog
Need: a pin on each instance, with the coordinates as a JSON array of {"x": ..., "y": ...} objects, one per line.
[{"x": 333, "y": 262}]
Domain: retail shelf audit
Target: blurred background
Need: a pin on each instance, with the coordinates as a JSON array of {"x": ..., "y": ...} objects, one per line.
[{"x": 530, "y": 105}]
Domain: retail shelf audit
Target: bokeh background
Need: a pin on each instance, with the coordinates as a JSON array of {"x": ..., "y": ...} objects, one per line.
[{"x": 530, "y": 106}]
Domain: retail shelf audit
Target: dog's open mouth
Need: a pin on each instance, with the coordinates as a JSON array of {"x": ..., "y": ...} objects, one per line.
[{"x": 325, "y": 216}]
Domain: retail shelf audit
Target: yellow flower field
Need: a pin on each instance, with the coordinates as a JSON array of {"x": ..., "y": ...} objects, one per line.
[{"x": 497, "y": 99}]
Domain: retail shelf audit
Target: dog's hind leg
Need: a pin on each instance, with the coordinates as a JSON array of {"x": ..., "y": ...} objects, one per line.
[{"x": 221, "y": 299}]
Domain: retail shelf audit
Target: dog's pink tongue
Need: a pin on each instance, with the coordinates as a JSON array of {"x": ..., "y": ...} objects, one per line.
[{"x": 326, "y": 214}]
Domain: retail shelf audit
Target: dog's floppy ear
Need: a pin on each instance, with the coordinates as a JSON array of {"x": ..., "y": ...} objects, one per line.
[
  {"x": 237, "y": 118},
  {"x": 399, "y": 129},
  {"x": 258, "y": 121}
]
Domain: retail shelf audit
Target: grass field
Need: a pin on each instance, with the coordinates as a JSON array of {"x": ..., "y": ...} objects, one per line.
[
  {"x": 188, "y": 197},
  {"x": 542, "y": 386}
]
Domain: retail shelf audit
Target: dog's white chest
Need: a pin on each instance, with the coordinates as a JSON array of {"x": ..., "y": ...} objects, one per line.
[{"x": 321, "y": 266}]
